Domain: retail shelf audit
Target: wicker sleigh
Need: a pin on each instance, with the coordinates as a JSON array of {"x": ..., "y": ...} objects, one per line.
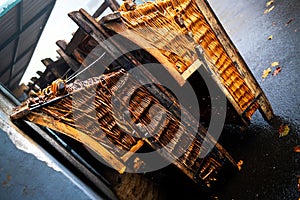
[
  {"x": 175, "y": 30},
  {"x": 83, "y": 111}
]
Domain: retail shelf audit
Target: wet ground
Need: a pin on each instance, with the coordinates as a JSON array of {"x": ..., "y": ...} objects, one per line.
[{"x": 271, "y": 166}]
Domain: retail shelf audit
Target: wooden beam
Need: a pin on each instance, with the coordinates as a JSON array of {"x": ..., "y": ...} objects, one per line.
[
  {"x": 101, "y": 9},
  {"x": 69, "y": 60},
  {"x": 113, "y": 4},
  {"x": 133, "y": 149},
  {"x": 62, "y": 44},
  {"x": 80, "y": 35},
  {"x": 79, "y": 57},
  {"x": 47, "y": 61},
  {"x": 53, "y": 124},
  {"x": 191, "y": 69},
  {"x": 75, "y": 41}
]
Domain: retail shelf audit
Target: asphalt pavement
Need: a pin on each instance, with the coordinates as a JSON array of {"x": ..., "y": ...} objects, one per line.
[{"x": 265, "y": 34}]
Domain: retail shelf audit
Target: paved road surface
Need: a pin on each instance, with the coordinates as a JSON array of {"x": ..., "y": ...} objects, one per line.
[{"x": 270, "y": 167}]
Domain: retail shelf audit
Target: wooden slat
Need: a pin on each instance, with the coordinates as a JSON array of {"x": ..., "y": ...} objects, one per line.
[
  {"x": 47, "y": 61},
  {"x": 191, "y": 69},
  {"x": 113, "y": 4},
  {"x": 79, "y": 57},
  {"x": 75, "y": 41},
  {"x": 53, "y": 124},
  {"x": 133, "y": 149},
  {"x": 70, "y": 61},
  {"x": 62, "y": 44},
  {"x": 101, "y": 9}
]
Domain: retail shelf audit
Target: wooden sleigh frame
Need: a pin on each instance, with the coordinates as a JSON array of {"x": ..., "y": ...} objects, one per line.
[{"x": 95, "y": 32}]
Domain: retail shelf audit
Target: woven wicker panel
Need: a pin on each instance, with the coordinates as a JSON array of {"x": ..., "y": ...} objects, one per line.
[{"x": 175, "y": 27}]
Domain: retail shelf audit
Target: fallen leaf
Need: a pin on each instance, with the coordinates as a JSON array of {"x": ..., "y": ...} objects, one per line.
[
  {"x": 269, "y": 10},
  {"x": 297, "y": 149},
  {"x": 276, "y": 72},
  {"x": 8, "y": 177},
  {"x": 290, "y": 20},
  {"x": 269, "y": 3},
  {"x": 274, "y": 64},
  {"x": 298, "y": 184},
  {"x": 283, "y": 130},
  {"x": 239, "y": 165},
  {"x": 270, "y": 37},
  {"x": 266, "y": 72}
]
